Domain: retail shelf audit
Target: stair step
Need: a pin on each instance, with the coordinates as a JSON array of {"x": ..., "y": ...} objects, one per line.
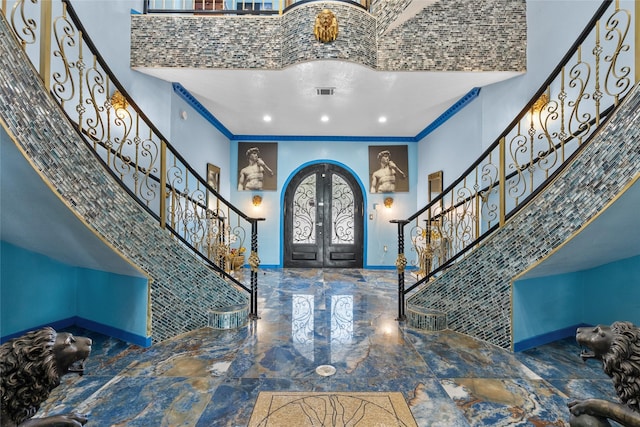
[
  {"x": 426, "y": 318},
  {"x": 229, "y": 317}
]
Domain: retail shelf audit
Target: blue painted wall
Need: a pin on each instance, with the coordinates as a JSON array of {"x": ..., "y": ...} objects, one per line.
[
  {"x": 548, "y": 308},
  {"x": 36, "y": 290},
  {"x": 612, "y": 292},
  {"x": 353, "y": 156},
  {"x": 116, "y": 300}
]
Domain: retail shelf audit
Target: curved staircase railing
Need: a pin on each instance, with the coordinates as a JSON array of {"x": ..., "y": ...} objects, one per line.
[
  {"x": 554, "y": 126},
  {"x": 130, "y": 146}
]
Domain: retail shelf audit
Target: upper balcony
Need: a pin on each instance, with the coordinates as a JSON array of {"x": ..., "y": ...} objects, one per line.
[
  {"x": 232, "y": 7},
  {"x": 379, "y": 57}
]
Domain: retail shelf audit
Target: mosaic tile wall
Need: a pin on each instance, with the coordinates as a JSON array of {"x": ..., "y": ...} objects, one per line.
[
  {"x": 386, "y": 12},
  {"x": 476, "y": 292},
  {"x": 183, "y": 290},
  {"x": 466, "y": 34},
  {"x": 206, "y": 41},
  {"x": 461, "y": 35},
  {"x": 356, "y": 35}
]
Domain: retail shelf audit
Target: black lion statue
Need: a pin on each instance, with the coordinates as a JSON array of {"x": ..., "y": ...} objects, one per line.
[
  {"x": 31, "y": 366},
  {"x": 618, "y": 347}
]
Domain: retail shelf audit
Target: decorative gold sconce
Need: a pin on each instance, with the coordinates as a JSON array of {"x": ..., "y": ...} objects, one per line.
[
  {"x": 540, "y": 103},
  {"x": 257, "y": 200},
  {"x": 388, "y": 202},
  {"x": 118, "y": 101}
]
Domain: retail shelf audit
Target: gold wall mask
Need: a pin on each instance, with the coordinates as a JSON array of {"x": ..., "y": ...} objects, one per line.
[{"x": 326, "y": 26}]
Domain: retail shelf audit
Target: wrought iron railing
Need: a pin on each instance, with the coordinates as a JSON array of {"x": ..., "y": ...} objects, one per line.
[
  {"x": 128, "y": 143},
  {"x": 550, "y": 130},
  {"x": 232, "y": 7}
]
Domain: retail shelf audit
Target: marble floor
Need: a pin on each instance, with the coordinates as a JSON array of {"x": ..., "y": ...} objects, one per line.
[{"x": 342, "y": 318}]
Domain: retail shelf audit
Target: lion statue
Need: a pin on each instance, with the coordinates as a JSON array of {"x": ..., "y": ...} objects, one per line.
[
  {"x": 326, "y": 26},
  {"x": 31, "y": 366},
  {"x": 618, "y": 348}
]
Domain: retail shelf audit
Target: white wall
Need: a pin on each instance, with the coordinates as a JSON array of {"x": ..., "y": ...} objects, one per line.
[
  {"x": 451, "y": 148},
  {"x": 199, "y": 142},
  {"x": 108, "y": 23},
  {"x": 552, "y": 27}
]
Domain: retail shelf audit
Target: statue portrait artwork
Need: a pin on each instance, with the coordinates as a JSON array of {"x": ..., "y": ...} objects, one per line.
[
  {"x": 618, "y": 348},
  {"x": 31, "y": 367},
  {"x": 257, "y": 163},
  {"x": 387, "y": 166}
]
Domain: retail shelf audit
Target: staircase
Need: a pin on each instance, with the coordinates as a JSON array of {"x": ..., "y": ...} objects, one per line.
[
  {"x": 475, "y": 293},
  {"x": 184, "y": 286},
  {"x": 572, "y": 150}
]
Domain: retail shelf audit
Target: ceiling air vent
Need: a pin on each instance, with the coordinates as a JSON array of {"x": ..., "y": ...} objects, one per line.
[{"x": 325, "y": 90}]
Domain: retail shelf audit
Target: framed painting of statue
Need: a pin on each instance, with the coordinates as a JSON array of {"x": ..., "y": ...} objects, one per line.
[
  {"x": 257, "y": 166},
  {"x": 388, "y": 168}
]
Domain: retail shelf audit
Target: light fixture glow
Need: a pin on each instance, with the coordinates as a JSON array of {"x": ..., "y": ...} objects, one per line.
[
  {"x": 388, "y": 202},
  {"x": 540, "y": 103},
  {"x": 382, "y": 119},
  {"x": 118, "y": 101},
  {"x": 257, "y": 200},
  {"x": 324, "y": 118},
  {"x": 266, "y": 118}
]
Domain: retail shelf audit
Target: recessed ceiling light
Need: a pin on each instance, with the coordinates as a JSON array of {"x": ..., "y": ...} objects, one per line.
[
  {"x": 324, "y": 118},
  {"x": 382, "y": 119},
  {"x": 266, "y": 118}
]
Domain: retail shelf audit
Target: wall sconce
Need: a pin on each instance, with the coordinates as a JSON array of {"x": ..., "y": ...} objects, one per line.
[
  {"x": 388, "y": 202},
  {"x": 257, "y": 200},
  {"x": 540, "y": 103},
  {"x": 118, "y": 101}
]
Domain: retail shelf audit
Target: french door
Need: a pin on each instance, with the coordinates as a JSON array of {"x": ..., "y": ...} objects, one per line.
[{"x": 323, "y": 218}]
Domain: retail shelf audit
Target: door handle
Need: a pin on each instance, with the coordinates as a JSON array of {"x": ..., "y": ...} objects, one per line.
[{"x": 319, "y": 224}]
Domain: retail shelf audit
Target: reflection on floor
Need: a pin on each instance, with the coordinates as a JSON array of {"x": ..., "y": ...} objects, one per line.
[{"x": 343, "y": 318}]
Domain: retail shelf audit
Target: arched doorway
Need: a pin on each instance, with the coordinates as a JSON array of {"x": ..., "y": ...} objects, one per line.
[{"x": 323, "y": 218}]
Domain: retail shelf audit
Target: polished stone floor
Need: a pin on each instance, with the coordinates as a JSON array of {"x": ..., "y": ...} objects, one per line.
[{"x": 342, "y": 318}]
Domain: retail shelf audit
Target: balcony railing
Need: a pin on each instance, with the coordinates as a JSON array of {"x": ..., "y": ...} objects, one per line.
[
  {"x": 589, "y": 82},
  {"x": 232, "y": 7},
  {"x": 128, "y": 143}
]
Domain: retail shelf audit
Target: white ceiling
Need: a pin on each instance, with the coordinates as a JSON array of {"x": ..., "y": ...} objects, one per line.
[{"x": 409, "y": 100}]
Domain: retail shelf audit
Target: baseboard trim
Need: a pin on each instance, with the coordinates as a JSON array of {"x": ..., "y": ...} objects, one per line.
[
  {"x": 549, "y": 337},
  {"x": 110, "y": 331},
  {"x": 381, "y": 267},
  {"x": 90, "y": 325}
]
